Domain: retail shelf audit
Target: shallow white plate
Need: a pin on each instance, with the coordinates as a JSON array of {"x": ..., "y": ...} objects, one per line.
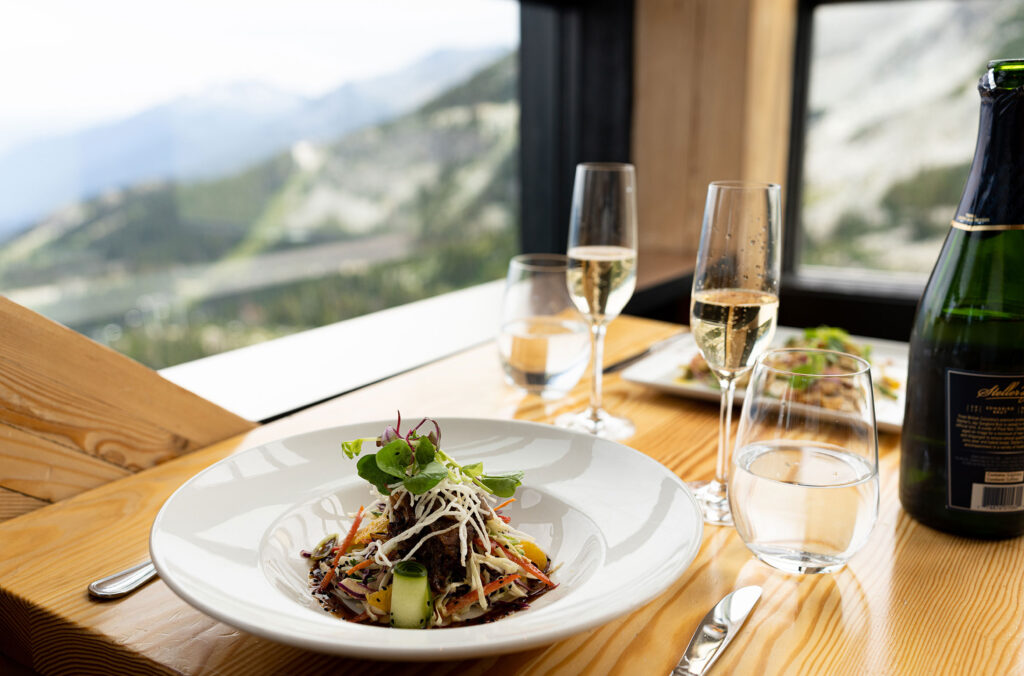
[
  {"x": 663, "y": 368},
  {"x": 620, "y": 524}
]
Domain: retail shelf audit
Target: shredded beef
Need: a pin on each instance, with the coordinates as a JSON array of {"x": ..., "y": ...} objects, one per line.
[
  {"x": 402, "y": 515},
  {"x": 440, "y": 554}
]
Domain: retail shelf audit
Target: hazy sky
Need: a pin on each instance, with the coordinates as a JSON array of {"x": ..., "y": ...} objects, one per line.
[{"x": 69, "y": 61}]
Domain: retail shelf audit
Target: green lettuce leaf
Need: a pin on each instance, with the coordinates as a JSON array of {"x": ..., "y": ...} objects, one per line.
[
  {"x": 502, "y": 485},
  {"x": 428, "y": 477},
  {"x": 367, "y": 469},
  {"x": 425, "y": 451},
  {"x": 395, "y": 458}
]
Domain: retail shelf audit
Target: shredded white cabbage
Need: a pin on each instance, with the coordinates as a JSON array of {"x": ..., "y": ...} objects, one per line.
[
  {"x": 473, "y": 514},
  {"x": 465, "y": 503}
]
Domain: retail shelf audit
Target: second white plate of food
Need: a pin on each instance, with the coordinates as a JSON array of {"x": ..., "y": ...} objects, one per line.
[
  {"x": 666, "y": 370},
  {"x": 620, "y": 525}
]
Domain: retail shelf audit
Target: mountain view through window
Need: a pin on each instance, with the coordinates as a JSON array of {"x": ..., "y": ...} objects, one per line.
[
  {"x": 308, "y": 163},
  {"x": 891, "y": 123}
]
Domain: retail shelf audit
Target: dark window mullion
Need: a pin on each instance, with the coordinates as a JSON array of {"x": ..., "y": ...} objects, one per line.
[
  {"x": 792, "y": 240},
  {"x": 540, "y": 127},
  {"x": 576, "y": 91},
  {"x": 881, "y": 312}
]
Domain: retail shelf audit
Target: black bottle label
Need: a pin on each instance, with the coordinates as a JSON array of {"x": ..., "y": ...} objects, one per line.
[{"x": 985, "y": 438}]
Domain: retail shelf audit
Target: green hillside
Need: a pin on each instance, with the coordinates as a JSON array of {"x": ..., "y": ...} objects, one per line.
[{"x": 442, "y": 179}]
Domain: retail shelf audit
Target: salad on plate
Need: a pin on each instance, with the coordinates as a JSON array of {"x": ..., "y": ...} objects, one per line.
[
  {"x": 818, "y": 338},
  {"x": 433, "y": 548}
]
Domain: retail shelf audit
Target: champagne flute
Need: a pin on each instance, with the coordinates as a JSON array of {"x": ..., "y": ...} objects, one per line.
[
  {"x": 734, "y": 305},
  {"x": 602, "y": 273}
]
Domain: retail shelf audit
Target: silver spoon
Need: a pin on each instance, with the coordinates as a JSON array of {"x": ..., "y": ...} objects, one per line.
[{"x": 121, "y": 584}]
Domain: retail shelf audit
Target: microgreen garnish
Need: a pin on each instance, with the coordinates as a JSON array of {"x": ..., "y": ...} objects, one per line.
[
  {"x": 815, "y": 365},
  {"x": 367, "y": 469},
  {"x": 395, "y": 458},
  {"x": 502, "y": 485},
  {"x": 417, "y": 462}
]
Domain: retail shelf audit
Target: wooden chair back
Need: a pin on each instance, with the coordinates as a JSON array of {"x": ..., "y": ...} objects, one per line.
[{"x": 75, "y": 414}]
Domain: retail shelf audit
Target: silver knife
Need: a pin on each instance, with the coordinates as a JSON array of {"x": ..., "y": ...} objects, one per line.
[
  {"x": 651, "y": 349},
  {"x": 715, "y": 631}
]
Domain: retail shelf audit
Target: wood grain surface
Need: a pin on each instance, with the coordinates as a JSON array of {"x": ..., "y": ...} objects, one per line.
[
  {"x": 75, "y": 415},
  {"x": 914, "y": 601},
  {"x": 13, "y": 503}
]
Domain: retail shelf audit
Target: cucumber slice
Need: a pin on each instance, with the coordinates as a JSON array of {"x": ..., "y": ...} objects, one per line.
[{"x": 411, "y": 604}]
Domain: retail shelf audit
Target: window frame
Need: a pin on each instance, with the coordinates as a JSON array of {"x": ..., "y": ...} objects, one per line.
[
  {"x": 865, "y": 306},
  {"x": 576, "y": 99},
  {"x": 577, "y": 70}
]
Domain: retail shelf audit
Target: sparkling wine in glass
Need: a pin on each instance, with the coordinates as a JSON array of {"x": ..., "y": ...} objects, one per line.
[
  {"x": 735, "y": 304},
  {"x": 602, "y": 273}
]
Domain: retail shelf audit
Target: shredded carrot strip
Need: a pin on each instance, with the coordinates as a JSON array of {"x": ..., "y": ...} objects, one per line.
[
  {"x": 359, "y": 566},
  {"x": 505, "y": 504},
  {"x": 341, "y": 552},
  {"x": 360, "y": 617},
  {"x": 526, "y": 564},
  {"x": 469, "y": 597},
  {"x": 326, "y": 581},
  {"x": 351, "y": 536}
]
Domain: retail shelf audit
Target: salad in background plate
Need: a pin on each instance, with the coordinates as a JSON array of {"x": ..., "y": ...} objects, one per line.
[
  {"x": 818, "y": 338},
  {"x": 681, "y": 370}
]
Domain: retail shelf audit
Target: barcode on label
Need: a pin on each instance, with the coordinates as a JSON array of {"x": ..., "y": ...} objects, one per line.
[{"x": 987, "y": 497}]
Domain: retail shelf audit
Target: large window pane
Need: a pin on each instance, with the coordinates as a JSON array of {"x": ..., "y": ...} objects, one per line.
[
  {"x": 891, "y": 123},
  {"x": 181, "y": 182}
]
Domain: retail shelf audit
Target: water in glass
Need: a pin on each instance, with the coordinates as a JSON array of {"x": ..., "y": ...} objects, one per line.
[
  {"x": 543, "y": 342},
  {"x": 803, "y": 486}
]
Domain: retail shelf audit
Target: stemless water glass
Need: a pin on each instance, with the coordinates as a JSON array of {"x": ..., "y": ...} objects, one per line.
[
  {"x": 543, "y": 341},
  {"x": 602, "y": 272},
  {"x": 734, "y": 304},
  {"x": 804, "y": 481}
]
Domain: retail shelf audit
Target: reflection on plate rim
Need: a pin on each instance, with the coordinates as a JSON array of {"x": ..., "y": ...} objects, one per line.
[{"x": 687, "y": 552}]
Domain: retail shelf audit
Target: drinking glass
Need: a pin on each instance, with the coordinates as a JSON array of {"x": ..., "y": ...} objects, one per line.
[
  {"x": 804, "y": 480},
  {"x": 734, "y": 304},
  {"x": 602, "y": 273},
  {"x": 543, "y": 342}
]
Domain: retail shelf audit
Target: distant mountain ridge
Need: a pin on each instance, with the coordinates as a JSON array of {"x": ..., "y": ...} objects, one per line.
[
  {"x": 209, "y": 135},
  {"x": 440, "y": 177}
]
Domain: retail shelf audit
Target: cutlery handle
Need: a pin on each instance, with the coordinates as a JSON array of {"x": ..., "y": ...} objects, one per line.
[
  {"x": 123, "y": 583},
  {"x": 683, "y": 669},
  {"x": 716, "y": 631}
]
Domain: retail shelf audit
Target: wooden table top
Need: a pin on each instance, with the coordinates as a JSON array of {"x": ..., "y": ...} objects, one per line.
[{"x": 913, "y": 601}]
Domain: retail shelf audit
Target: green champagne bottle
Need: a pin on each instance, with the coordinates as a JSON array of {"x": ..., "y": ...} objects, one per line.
[{"x": 962, "y": 460}]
